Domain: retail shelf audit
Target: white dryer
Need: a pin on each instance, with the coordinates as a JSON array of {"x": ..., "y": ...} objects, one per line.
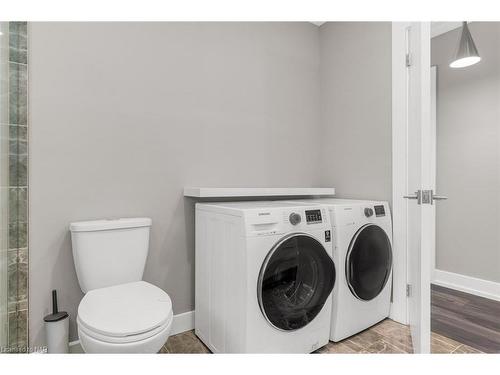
[
  {"x": 362, "y": 236},
  {"x": 264, "y": 277}
]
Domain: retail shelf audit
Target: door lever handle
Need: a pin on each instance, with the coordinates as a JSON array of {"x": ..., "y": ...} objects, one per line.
[
  {"x": 425, "y": 197},
  {"x": 439, "y": 197},
  {"x": 417, "y": 196},
  {"x": 410, "y": 196}
]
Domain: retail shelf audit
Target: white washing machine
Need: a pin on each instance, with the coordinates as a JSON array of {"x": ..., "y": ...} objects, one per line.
[
  {"x": 362, "y": 236},
  {"x": 264, "y": 277}
]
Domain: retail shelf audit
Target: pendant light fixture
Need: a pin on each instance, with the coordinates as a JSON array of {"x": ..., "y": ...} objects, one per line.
[{"x": 466, "y": 54}]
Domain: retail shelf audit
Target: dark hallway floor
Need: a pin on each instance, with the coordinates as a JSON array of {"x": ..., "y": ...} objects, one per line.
[{"x": 466, "y": 318}]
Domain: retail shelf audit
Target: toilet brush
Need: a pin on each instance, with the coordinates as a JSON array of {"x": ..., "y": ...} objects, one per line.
[{"x": 57, "y": 328}]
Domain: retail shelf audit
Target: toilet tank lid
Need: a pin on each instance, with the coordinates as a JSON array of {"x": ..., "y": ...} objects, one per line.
[{"x": 97, "y": 225}]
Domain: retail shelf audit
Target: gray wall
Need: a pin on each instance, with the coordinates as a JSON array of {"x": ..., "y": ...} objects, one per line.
[
  {"x": 468, "y": 156},
  {"x": 123, "y": 116},
  {"x": 356, "y": 109}
]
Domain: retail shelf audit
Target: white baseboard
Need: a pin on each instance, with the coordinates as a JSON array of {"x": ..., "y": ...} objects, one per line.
[
  {"x": 182, "y": 323},
  {"x": 467, "y": 284}
]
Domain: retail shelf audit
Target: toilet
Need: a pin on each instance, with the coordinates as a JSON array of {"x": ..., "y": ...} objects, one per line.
[{"x": 120, "y": 313}]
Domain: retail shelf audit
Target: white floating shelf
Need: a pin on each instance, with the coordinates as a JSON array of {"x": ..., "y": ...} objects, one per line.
[{"x": 201, "y": 192}]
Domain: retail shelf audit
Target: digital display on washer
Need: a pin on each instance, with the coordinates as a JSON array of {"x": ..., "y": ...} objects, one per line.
[
  {"x": 379, "y": 211},
  {"x": 313, "y": 216}
]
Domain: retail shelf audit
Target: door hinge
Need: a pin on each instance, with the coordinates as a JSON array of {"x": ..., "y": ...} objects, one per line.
[
  {"x": 408, "y": 290},
  {"x": 408, "y": 60}
]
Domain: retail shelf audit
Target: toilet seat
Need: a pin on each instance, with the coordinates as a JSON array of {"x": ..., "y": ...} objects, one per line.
[
  {"x": 149, "y": 345},
  {"x": 122, "y": 339},
  {"x": 125, "y": 313}
]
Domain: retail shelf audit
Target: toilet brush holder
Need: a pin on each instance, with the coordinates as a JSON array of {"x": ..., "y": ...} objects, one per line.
[{"x": 57, "y": 328}]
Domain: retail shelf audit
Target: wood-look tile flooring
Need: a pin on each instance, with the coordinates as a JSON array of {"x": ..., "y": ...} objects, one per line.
[
  {"x": 385, "y": 337},
  {"x": 470, "y": 319}
]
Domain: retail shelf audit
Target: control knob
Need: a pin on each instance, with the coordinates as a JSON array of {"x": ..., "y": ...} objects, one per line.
[
  {"x": 368, "y": 211},
  {"x": 295, "y": 218}
]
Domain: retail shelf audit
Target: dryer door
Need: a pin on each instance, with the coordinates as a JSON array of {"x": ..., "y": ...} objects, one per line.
[
  {"x": 368, "y": 262},
  {"x": 295, "y": 281}
]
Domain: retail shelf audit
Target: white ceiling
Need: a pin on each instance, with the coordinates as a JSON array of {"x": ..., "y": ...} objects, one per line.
[{"x": 437, "y": 28}]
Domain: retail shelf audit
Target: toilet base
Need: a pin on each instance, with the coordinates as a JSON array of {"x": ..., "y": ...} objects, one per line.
[{"x": 152, "y": 344}]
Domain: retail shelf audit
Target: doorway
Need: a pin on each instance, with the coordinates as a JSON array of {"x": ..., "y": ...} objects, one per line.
[
  {"x": 440, "y": 238},
  {"x": 465, "y": 137}
]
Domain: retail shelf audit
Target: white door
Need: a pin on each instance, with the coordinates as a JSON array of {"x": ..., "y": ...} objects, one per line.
[{"x": 419, "y": 184}]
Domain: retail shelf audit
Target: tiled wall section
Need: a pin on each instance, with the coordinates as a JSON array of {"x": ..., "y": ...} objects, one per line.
[{"x": 18, "y": 190}]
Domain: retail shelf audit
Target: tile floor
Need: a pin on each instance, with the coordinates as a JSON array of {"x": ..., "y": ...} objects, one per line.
[{"x": 385, "y": 337}]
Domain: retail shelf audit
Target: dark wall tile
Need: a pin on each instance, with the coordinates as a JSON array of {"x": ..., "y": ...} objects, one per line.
[
  {"x": 13, "y": 170},
  {"x": 18, "y": 55},
  {"x": 18, "y": 235},
  {"x": 13, "y": 237},
  {"x": 22, "y": 170},
  {"x": 18, "y": 98},
  {"x": 17, "y": 277},
  {"x": 12, "y": 277},
  {"x": 22, "y": 282},
  {"x": 18, "y": 189},
  {"x": 13, "y": 205},
  {"x": 18, "y": 204},
  {"x": 22, "y": 330},
  {"x": 22, "y": 234},
  {"x": 18, "y": 140},
  {"x": 18, "y": 331},
  {"x": 13, "y": 321},
  {"x": 22, "y": 204},
  {"x": 18, "y": 35}
]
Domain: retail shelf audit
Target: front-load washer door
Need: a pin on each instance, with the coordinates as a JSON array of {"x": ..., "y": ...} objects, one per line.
[
  {"x": 295, "y": 281},
  {"x": 368, "y": 262}
]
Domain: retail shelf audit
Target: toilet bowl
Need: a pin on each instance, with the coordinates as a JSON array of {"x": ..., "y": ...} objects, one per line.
[{"x": 128, "y": 318}]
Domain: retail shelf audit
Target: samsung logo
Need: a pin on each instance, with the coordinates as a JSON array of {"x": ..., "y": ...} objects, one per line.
[{"x": 264, "y": 213}]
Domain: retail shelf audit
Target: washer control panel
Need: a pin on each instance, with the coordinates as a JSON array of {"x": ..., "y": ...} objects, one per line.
[
  {"x": 313, "y": 216},
  {"x": 378, "y": 210},
  {"x": 270, "y": 221}
]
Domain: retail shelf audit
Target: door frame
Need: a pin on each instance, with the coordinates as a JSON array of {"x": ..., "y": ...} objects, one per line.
[
  {"x": 399, "y": 310},
  {"x": 400, "y": 149},
  {"x": 433, "y": 157},
  {"x": 402, "y": 115}
]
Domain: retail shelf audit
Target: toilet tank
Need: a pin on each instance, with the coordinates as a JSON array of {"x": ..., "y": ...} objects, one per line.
[{"x": 109, "y": 252}]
